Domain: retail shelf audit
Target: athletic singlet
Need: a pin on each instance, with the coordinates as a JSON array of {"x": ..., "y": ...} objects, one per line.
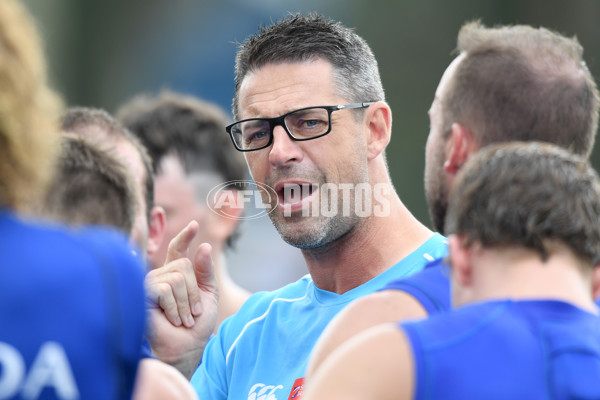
[
  {"x": 530, "y": 350},
  {"x": 72, "y": 312},
  {"x": 430, "y": 287}
]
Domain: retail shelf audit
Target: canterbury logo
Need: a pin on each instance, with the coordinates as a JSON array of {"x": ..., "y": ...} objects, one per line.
[{"x": 260, "y": 391}]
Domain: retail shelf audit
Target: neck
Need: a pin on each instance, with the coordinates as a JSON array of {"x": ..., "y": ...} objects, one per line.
[
  {"x": 522, "y": 275},
  {"x": 375, "y": 244}
]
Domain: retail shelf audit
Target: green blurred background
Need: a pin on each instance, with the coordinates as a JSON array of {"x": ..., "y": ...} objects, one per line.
[{"x": 102, "y": 52}]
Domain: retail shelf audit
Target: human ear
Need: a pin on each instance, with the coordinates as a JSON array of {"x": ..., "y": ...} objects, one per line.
[
  {"x": 459, "y": 145},
  {"x": 596, "y": 282},
  {"x": 460, "y": 261},
  {"x": 379, "y": 120},
  {"x": 156, "y": 231},
  {"x": 223, "y": 223}
]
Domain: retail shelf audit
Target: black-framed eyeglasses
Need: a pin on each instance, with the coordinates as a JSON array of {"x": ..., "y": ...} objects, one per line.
[{"x": 304, "y": 124}]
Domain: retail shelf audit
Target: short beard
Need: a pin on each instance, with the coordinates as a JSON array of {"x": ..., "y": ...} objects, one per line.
[
  {"x": 322, "y": 235},
  {"x": 436, "y": 192},
  {"x": 437, "y": 205}
]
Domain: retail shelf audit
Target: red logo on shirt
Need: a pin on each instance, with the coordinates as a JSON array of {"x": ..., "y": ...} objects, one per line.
[{"x": 297, "y": 389}]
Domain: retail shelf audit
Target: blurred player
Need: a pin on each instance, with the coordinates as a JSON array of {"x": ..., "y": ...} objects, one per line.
[{"x": 73, "y": 305}]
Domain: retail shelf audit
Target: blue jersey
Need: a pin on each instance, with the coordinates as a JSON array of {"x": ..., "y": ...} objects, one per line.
[
  {"x": 262, "y": 351},
  {"x": 530, "y": 350},
  {"x": 71, "y": 312},
  {"x": 430, "y": 287},
  {"x": 146, "y": 349}
]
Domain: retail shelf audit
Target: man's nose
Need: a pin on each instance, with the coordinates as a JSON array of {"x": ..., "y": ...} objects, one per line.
[{"x": 284, "y": 149}]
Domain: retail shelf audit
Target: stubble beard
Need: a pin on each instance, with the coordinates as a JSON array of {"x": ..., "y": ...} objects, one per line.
[
  {"x": 436, "y": 193},
  {"x": 437, "y": 211},
  {"x": 312, "y": 232},
  {"x": 317, "y": 232}
]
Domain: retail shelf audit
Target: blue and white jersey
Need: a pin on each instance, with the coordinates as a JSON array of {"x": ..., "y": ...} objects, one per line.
[
  {"x": 261, "y": 352},
  {"x": 72, "y": 312},
  {"x": 534, "y": 350}
]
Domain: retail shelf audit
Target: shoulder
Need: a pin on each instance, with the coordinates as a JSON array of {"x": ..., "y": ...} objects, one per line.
[
  {"x": 376, "y": 308},
  {"x": 91, "y": 269},
  {"x": 435, "y": 247},
  {"x": 81, "y": 290},
  {"x": 395, "y": 305},
  {"x": 432, "y": 274},
  {"x": 244, "y": 329},
  {"x": 54, "y": 240},
  {"x": 261, "y": 301},
  {"x": 459, "y": 324},
  {"x": 59, "y": 251},
  {"x": 369, "y": 365},
  {"x": 157, "y": 380},
  {"x": 262, "y": 305},
  {"x": 119, "y": 265},
  {"x": 429, "y": 287},
  {"x": 360, "y": 315}
]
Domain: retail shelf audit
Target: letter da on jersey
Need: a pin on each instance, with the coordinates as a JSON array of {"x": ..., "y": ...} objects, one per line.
[{"x": 50, "y": 368}]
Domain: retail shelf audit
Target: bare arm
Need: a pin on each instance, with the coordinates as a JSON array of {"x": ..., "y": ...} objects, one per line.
[
  {"x": 360, "y": 315},
  {"x": 157, "y": 380},
  {"x": 377, "y": 364}
]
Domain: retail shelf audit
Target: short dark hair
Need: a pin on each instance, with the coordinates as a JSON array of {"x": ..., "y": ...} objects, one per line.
[
  {"x": 299, "y": 38},
  {"x": 191, "y": 129},
  {"x": 522, "y": 83},
  {"x": 529, "y": 195},
  {"x": 79, "y": 120},
  {"x": 91, "y": 186}
]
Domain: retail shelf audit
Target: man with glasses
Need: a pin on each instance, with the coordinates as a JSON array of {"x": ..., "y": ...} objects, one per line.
[
  {"x": 313, "y": 125},
  {"x": 304, "y": 124}
]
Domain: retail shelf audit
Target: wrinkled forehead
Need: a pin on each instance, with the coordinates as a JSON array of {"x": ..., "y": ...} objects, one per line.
[{"x": 276, "y": 88}]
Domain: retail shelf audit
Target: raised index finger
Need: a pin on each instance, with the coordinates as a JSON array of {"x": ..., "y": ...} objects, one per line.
[{"x": 179, "y": 245}]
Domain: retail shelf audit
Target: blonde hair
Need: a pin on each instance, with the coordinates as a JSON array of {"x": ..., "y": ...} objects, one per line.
[{"x": 29, "y": 110}]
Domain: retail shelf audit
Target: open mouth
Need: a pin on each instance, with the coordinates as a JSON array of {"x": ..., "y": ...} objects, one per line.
[{"x": 294, "y": 195}]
